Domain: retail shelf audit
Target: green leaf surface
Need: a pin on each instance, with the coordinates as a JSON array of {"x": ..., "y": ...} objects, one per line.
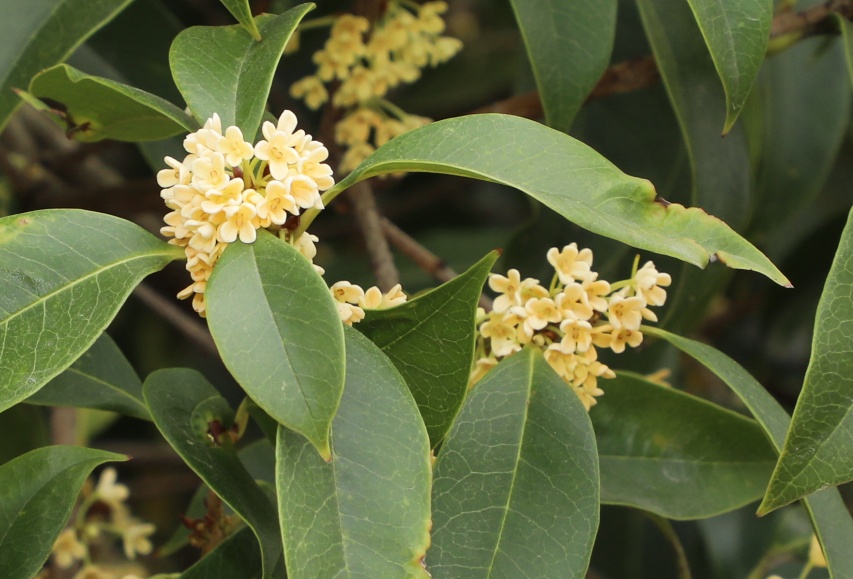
[
  {"x": 40, "y": 33},
  {"x": 569, "y": 46},
  {"x": 366, "y": 513},
  {"x": 241, "y": 10},
  {"x": 516, "y": 490},
  {"x": 102, "y": 378},
  {"x": 98, "y": 108},
  {"x": 64, "y": 274},
  {"x": 37, "y": 493},
  {"x": 222, "y": 69},
  {"x": 846, "y": 27},
  {"x": 278, "y": 331},
  {"x": 194, "y": 419},
  {"x": 236, "y": 556},
  {"x": 568, "y": 177},
  {"x": 830, "y": 518},
  {"x": 798, "y": 129},
  {"x": 736, "y": 32},
  {"x": 676, "y": 455},
  {"x": 817, "y": 451},
  {"x": 431, "y": 340}
]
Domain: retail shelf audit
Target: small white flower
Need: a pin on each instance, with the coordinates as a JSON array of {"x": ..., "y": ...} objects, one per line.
[
  {"x": 278, "y": 148},
  {"x": 110, "y": 492},
  {"x": 234, "y": 148},
  {"x": 209, "y": 172}
]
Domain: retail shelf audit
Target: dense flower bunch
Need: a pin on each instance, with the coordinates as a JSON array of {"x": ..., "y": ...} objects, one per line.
[
  {"x": 568, "y": 321},
  {"x": 226, "y": 189},
  {"x": 103, "y": 516},
  {"x": 370, "y": 61}
]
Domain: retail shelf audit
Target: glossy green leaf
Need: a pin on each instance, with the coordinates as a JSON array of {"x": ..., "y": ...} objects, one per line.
[
  {"x": 98, "y": 108},
  {"x": 830, "y": 518},
  {"x": 664, "y": 451},
  {"x": 64, "y": 273},
  {"x": 194, "y": 419},
  {"x": 278, "y": 331},
  {"x": 222, "y": 69},
  {"x": 569, "y": 46},
  {"x": 568, "y": 177},
  {"x": 516, "y": 490},
  {"x": 236, "y": 556},
  {"x": 241, "y": 10},
  {"x": 799, "y": 130},
  {"x": 366, "y": 513},
  {"x": 846, "y": 27},
  {"x": 720, "y": 169},
  {"x": 102, "y": 378},
  {"x": 40, "y": 33},
  {"x": 736, "y": 32},
  {"x": 430, "y": 340},
  {"x": 37, "y": 493},
  {"x": 817, "y": 450}
]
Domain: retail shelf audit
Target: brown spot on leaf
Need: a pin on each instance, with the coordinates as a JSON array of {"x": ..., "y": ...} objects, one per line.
[
  {"x": 214, "y": 431},
  {"x": 23, "y": 221},
  {"x": 713, "y": 258},
  {"x": 662, "y": 202}
]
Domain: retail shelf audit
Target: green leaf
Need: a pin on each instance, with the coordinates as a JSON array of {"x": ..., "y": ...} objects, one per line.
[
  {"x": 516, "y": 481},
  {"x": 736, "y": 32},
  {"x": 236, "y": 556},
  {"x": 568, "y": 177},
  {"x": 664, "y": 451},
  {"x": 830, "y": 518},
  {"x": 195, "y": 420},
  {"x": 64, "y": 274},
  {"x": 241, "y": 10},
  {"x": 40, "y": 33},
  {"x": 365, "y": 513},
  {"x": 98, "y": 108},
  {"x": 278, "y": 331},
  {"x": 817, "y": 448},
  {"x": 431, "y": 340},
  {"x": 37, "y": 493},
  {"x": 102, "y": 378},
  {"x": 222, "y": 69},
  {"x": 569, "y": 46},
  {"x": 846, "y": 27},
  {"x": 799, "y": 129}
]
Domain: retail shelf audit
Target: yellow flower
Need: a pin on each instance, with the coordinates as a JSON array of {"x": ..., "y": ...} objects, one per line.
[
  {"x": 650, "y": 284},
  {"x": 67, "y": 549},
  {"x": 510, "y": 288},
  {"x": 481, "y": 368},
  {"x": 624, "y": 336},
  {"x": 625, "y": 312},
  {"x": 209, "y": 172},
  {"x": 110, "y": 492},
  {"x": 278, "y": 148},
  {"x": 93, "y": 572},
  {"x": 573, "y": 302},
  {"x": 344, "y": 291},
  {"x": 356, "y": 126},
  {"x": 577, "y": 335},
  {"x": 177, "y": 174},
  {"x": 429, "y": 20},
  {"x": 240, "y": 221},
  {"x": 569, "y": 263},
  {"x": 312, "y": 90},
  {"x": 215, "y": 200},
  {"x": 540, "y": 313},
  {"x": 277, "y": 204},
  {"x": 135, "y": 539},
  {"x": 501, "y": 330},
  {"x": 233, "y": 147}
]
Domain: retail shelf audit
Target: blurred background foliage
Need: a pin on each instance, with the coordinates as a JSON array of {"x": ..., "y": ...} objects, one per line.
[{"x": 782, "y": 178}]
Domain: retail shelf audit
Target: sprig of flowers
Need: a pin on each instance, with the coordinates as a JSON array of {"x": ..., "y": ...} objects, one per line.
[
  {"x": 102, "y": 515},
  {"x": 369, "y": 61},
  {"x": 569, "y": 320},
  {"x": 226, "y": 189}
]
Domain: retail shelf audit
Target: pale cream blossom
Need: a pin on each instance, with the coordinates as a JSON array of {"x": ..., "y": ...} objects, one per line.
[
  {"x": 135, "y": 538},
  {"x": 278, "y": 148},
  {"x": 650, "y": 284},
  {"x": 240, "y": 221},
  {"x": 312, "y": 90},
  {"x": 109, "y": 491},
  {"x": 234, "y": 148},
  {"x": 570, "y": 263},
  {"x": 625, "y": 312},
  {"x": 623, "y": 336},
  {"x": 68, "y": 549}
]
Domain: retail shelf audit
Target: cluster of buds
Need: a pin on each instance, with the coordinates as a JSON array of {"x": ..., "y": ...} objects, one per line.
[
  {"x": 226, "y": 189},
  {"x": 369, "y": 61},
  {"x": 578, "y": 314},
  {"x": 101, "y": 516},
  {"x": 352, "y": 300}
]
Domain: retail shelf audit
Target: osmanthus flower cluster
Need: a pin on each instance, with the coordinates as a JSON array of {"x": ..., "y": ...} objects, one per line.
[
  {"x": 102, "y": 517},
  {"x": 369, "y": 61},
  {"x": 226, "y": 189},
  {"x": 569, "y": 320}
]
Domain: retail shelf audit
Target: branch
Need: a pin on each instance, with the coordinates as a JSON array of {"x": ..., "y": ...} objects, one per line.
[{"x": 369, "y": 222}]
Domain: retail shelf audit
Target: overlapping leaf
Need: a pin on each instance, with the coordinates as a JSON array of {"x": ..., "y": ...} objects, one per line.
[
  {"x": 736, "y": 32},
  {"x": 64, "y": 275},
  {"x": 830, "y": 518},
  {"x": 195, "y": 420},
  {"x": 569, "y": 46},
  {"x": 430, "y": 340},
  {"x": 278, "y": 331},
  {"x": 366, "y": 513},
  {"x": 37, "y": 492},
  {"x": 97, "y": 108},
  {"x": 236, "y": 556},
  {"x": 39, "y": 33},
  {"x": 568, "y": 177},
  {"x": 102, "y": 378},
  {"x": 846, "y": 27},
  {"x": 676, "y": 455},
  {"x": 241, "y": 10},
  {"x": 516, "y": 487},
  {"x": 817, "y": 450},
  {"x": 222, "y": 69}
]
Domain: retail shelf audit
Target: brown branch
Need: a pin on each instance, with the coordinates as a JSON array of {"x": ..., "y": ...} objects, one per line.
[
  {"x": 369, "y": 222},
  {"x": 638, "y": 73},
  {"x": 181, "y": 320}
]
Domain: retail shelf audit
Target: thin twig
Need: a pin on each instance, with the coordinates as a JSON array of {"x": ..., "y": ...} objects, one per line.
[
  {"x": 63, "y": 425},
  {"x": 181, "y": 320},
  {"x": 368, "y": 219}
]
